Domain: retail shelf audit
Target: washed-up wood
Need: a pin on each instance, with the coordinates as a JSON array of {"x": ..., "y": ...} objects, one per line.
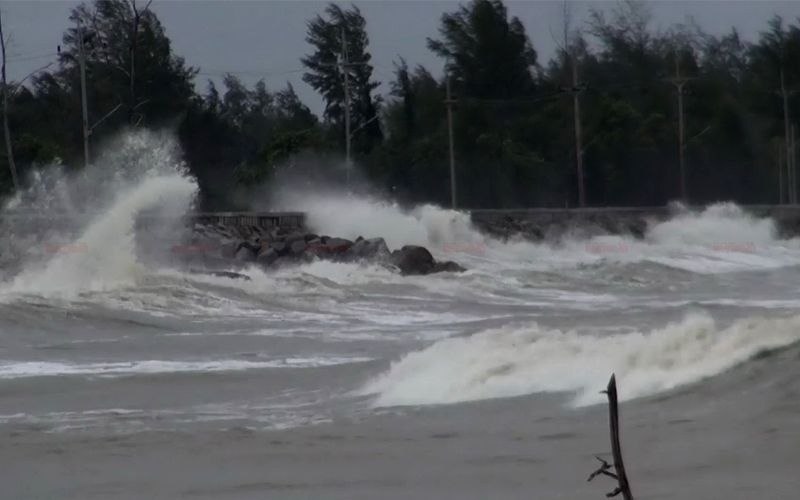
[{"x": 619, "y": 475}]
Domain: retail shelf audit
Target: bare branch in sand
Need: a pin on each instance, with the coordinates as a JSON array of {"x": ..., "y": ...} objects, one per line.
[{"x": 616, "y": 449}]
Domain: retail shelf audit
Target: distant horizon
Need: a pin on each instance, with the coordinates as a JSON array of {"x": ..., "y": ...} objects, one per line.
[{"x": 241, "y": 41}]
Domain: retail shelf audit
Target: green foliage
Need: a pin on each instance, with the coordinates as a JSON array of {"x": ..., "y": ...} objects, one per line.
[
  {"x": 513, "y": 120},
  {"x": 340, "y": 46}
]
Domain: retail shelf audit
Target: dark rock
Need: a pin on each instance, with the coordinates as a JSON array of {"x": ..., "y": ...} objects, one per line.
[
  {"x": 297, "y": 247},
  {"x": 412, "y": 259},
  {"x": 224, "y": 274},
  {"x": 244, "y": 254},
  {"x": 267, "y": 257},
  {"x": 310, "y": 236},
  {"x": 253, "y": 246},
  {"x": 447, "y": 267},
  {"x": 280, "y": 247},
  {"x": 338, "y": 245},
  {"x": 295, "y": 237},
  {"x": 228, "y": 249},
  {"x": 331, "y": 248},
  {"x": 372, "y": 249}
]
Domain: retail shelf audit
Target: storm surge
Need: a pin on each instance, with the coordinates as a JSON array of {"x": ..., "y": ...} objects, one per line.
[
  {"x": 139, "y": 173},
  {"x": 692, "y": 297}
]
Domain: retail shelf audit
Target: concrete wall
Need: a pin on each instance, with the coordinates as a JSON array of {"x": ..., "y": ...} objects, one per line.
[
  {"x": 286, "y": 220},
  {"x": 614, "y": 219}
]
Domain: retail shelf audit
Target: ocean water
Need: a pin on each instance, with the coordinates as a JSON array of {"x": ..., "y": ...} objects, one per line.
[{"x": 128, "y": 377}]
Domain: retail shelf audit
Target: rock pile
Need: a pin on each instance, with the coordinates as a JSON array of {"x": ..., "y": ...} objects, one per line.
[{"x": 220, "y": 245}]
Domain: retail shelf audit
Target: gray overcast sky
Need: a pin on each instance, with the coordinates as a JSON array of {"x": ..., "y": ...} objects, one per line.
[{"x": 265, "y": 39}]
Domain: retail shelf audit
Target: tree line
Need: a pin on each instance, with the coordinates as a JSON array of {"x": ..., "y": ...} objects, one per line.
[{"x": 601, "y": 116}]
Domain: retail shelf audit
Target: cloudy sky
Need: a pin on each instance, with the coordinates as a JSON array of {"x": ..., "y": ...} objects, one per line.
[{"x": 265, "y": 39}]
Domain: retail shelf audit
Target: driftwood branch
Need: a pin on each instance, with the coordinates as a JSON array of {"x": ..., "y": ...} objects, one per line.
[{"x": 619, "y": 475}]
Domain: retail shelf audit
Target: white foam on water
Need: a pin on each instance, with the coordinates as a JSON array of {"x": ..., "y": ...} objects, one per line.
[
  {"x": 514, "y": 361},
  {"x": 720, "y": 238},
  {"x": 350, "y": 216},
  {"x": 105, "y": 255},
  {"x": 140, "y": 172},
  {"x": 24, "y": 369}
]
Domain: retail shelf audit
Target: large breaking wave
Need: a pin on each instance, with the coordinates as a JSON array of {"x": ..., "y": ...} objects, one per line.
[
  {"x": 141, "y": 172},
  {"x": 513, "y": 361}
]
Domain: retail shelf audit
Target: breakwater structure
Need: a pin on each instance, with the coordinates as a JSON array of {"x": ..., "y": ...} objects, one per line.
[
  {"x": 540, "y": 222},
  {"x": 532, "y": 221}
]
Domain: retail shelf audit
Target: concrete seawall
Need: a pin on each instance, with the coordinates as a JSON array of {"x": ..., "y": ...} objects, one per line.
[
  {"x": 536, "y": 222},
  {"x": 499, "y": 222},
  {"x": 33, "y": 222}
]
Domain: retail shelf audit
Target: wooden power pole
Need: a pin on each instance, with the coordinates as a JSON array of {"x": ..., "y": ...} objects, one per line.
[
  {"x": 84, "y": 104},
  {"x": 679, "y": 82},
  {"x": 6, "y": 130},
  {"x": 449, "y": 102},
  {"x": 576, "y": 104}
]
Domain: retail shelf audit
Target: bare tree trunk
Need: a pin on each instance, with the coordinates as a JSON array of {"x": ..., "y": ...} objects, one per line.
[
  {"x": 616, "y": 449},
  {"x": 6, "y": 130}
]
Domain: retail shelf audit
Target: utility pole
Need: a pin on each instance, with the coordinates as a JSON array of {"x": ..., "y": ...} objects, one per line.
[
  {"x": 576, "y": 104},
  {"x": 137, "y": 18},
  {"x": 679, "y": 83},
  {"x": 449, "y": 102},
  {"x": 787, "y": 137},
  {"x": 84, "y": 104},
  {"x": 344, "y": 67},
  {"x": 7, "y": 132},
  {"x": 779, "y": 157},
  {"x": 792, "y": 163}
]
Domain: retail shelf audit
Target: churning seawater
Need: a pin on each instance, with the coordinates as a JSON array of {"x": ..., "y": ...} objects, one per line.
[{"x": 699, "y": 319}]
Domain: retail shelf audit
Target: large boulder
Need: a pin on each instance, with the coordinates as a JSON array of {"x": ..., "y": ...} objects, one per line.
[
  {"x": 371, "y": 249},
  {"x": 412, "y": 259},
  {"x": 267, "y": 257},
  {"x": 280, "y": 247},
  {"x": 329, "y": 248},
  {"x": 416, "y": 260},
  {"x": 245, "y": 253},
  {"x": 297, "y": 247},
  {"x": 295, "y": 237}
]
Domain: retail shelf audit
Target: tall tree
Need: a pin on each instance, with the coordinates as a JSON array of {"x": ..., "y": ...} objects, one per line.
[
  {"x": 340, "y": 45},
  {"x": 128, "y": 55},
  {"x": 490, "y": 55}
]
